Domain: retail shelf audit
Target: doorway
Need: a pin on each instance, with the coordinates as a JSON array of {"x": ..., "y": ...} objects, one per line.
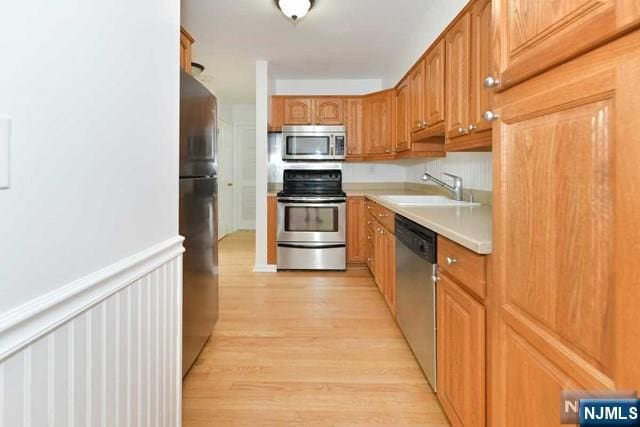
[{"x": 225, "y": 179}]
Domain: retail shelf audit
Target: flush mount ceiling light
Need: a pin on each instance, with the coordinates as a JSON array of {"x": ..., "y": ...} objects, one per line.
[{"x": 294, "y": 9}]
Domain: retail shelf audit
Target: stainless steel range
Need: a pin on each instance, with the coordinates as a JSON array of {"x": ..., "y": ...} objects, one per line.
[{"x": 312, "y": 220}]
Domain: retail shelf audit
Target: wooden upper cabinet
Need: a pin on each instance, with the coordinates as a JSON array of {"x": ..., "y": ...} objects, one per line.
[
  {"x": 378, "y": 121},
  {"x": 356, "y": 230},
  {"x": 403, "y": 132},
  {"x": 461, "y": 355},
  {"x": 354, "y": 124},
  {"x": 566, "y": 227},
  {"x": 458, "y": 51},
  {"x": 481, "y": 67},
  {"x": 328, "y": 111},
  {"x": 185, "y": 50},
  {"x": 298, "y": 111},
  {"x": 434, "y": 99},
  {"x": 416, "y": 98},
  {"x": 534, "y": 35}
]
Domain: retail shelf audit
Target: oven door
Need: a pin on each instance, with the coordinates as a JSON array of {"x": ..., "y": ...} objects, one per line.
[
  {"x": 308, "y": 146},
  {"x": 318, "y": 221}
]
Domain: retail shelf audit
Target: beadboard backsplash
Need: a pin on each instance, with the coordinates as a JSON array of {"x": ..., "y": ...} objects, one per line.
[{"x": 474, "y": 168}]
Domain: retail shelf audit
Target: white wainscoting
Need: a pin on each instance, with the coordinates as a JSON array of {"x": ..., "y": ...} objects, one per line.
[{"x": 103, "y": 351}]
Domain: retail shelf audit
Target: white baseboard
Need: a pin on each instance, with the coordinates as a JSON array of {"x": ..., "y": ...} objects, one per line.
[{"x": 269, "y": 268}]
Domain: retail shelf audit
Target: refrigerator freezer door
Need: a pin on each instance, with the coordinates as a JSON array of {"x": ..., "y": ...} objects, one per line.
[
  {"x": 198, "y": 224},
  {"x": 198, "y": 129}
]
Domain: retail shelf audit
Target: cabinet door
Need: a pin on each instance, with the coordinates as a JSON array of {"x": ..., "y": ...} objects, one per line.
[
  {"x": 534, "y": 35},
  {"x": 185, "y": 50},
  {"x": 272, "y": 225},
  {"x": 390, "y": 269},
  {"x": 416, "y": 98},
  {"x": 378, "y": 132},
  {"x": 480, "y": 64},
  {"x": 297, "y": 111},
  {"x": 458, "y": 51},
  {"x": 435, "y": 85},
  {"x": 354, "y": 126},
  {"x": 566, "y": 232},
  {"x": 379, "y": 257},
  {"x": 461, "y": 355},
  {"x": 356, "y": 230},
  {"x": 403, "y": 133},
  {"x": 328, "y": 111}
]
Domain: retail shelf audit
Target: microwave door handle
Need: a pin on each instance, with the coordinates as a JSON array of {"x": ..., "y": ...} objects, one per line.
[{"x": 332, "y": 146}]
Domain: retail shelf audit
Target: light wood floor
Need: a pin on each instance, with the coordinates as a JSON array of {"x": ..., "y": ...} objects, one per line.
[{"x": 302, "y": 348}]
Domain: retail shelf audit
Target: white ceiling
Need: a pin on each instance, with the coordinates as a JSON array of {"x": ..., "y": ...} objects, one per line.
[{"x": 341, "y": 39}]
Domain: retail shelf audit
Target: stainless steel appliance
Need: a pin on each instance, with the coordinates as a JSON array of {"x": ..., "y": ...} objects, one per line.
[
  {"x": 416, "y": 273},
  {"x": 312, "y": 220},
  {"x": 198, "y": 216},
  {"x": 314, "y": 142}
]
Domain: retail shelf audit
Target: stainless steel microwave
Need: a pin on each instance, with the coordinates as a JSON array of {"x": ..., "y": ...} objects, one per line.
[{"x": 314, "y": 142}]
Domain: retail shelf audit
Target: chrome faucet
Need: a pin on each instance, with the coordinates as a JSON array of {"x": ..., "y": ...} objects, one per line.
[{"x": 456, "y": 188}]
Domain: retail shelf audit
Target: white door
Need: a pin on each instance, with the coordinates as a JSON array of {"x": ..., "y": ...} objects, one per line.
[
  {"x": 244, "y": 143},
  {"x": 225, "y": 179}
]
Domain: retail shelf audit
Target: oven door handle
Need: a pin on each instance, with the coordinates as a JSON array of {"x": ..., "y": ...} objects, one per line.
[
  {"x": 311, "y": 200},
  {"x": 312, "y": 246}
]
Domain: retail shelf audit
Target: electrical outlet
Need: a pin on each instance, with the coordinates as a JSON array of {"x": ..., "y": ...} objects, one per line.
[{"x": 5, "y": 137}]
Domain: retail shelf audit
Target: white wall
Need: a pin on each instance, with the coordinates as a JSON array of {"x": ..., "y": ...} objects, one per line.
[
  {"x": 326, "y": 86},
  {"x": 94, "y": 149},
  {"x": 93, "y": 185},
  {"x": 439, "y": 14},
  {"x": 263, "y": 92},
  {"x": 474, "y": 168}
]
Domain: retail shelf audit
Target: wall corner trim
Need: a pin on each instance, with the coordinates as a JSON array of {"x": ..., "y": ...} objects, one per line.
[{"x": 28, "y": 322}]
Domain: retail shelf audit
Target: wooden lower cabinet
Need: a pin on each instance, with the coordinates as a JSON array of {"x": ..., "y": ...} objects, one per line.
[
  {"x": 566, "y": 277},
  {"x": 356, "y": 231},
  {"x": 272, "y": 227},
  {"x": 461, "y": 354},
  {"x": 381, "y": 252}
]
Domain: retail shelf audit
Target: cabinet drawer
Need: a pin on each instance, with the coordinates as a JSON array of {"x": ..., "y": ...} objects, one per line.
[
  {"x": 466, "y": 266},
  {"x": 382, "y": 215},
  {"x": 386, "y": 218}
]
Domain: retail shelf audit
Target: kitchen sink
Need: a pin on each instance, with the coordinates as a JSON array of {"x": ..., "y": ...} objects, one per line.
[{"x": 426, "y": 201}]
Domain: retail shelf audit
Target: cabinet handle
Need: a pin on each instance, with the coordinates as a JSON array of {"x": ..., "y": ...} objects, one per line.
[
  {"x": 369, "y": 259},
  {"x": 489, "y": 116},
  {"x": 471, "y": 128},
  {"x": 382, "y": 231},
  {"x": 381, "y": 215},
  {"x": 462, "y": 130},
  {"x": 425, "y": 124},
  {"x": 491, "y": 82},
  {"x": 368, "y": 222},
  {"x": 369, "y": 237},
  {"x": 387, "y": 150},
  {"x": 450, "y": 260}
]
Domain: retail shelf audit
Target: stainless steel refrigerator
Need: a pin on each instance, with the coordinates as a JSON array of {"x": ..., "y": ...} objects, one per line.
[{"x": 198, "y": 216}]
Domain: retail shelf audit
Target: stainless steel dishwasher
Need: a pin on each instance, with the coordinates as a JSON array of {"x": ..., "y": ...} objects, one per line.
[{"x": 416, "y": 291}]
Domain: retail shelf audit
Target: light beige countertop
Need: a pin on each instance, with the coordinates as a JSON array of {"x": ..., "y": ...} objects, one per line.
[{"x": 469, "y": 226}]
